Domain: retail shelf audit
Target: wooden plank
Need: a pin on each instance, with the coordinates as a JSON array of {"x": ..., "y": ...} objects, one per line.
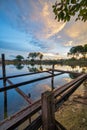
[
  {"x": 26, "y": 74},
  {"x": 14, "y": 76},
  {"x": 67, "y": 71},
  {"x": 18, "y": 118},
  {"x": 4, "y": 84},
  {"x": 3, "y": 70},
  {"x": 66, "y": 86},
  {"x": 26, "y": 82},
  {"x": 35, "y": 125},
  {"x": 59, "y": 126},
  {"x": 66, "y": 95},
  {"x": 21, "y": 93},
  {"x": 48, "y": 110}
]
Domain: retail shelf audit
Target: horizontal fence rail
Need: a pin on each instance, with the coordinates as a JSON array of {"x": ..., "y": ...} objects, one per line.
[
  {"x": 72, "y": 72},
  {"x": 21, "y": 116},
  {"x": 67, "y": 94},
  {"x": 26, "y": 74},
  {"x": 27, "y": 82},
  {"x": 66, "y": 86}
]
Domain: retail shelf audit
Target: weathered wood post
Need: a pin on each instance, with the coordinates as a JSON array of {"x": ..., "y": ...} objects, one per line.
[
  {"x": 52, "y": 80},
  {"x": 4, "y": 84},
  {"x": 3, "y": 70},
  {"x": 48, "y": 111}
]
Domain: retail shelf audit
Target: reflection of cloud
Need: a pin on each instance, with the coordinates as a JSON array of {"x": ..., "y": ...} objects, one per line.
[{"x": 67, "y": 79}]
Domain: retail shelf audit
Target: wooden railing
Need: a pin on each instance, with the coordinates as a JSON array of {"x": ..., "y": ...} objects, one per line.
[{"x": 48, "y": 104}]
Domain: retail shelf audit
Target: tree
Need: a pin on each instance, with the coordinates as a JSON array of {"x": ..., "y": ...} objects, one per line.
[
  {"x": 85, "y": 48},
  {"x": 34, "y": 55},
  {"x": 76, "y": 50},
  {"x": 40, "y": 55},
  {"x": 19, "y": 57},
  {"x": 65, "y": 9}
]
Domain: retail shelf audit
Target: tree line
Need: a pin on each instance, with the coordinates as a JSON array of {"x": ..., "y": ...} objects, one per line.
[
  {"x": 31, "y": 56},
  {"x": 74, "y": 51}
]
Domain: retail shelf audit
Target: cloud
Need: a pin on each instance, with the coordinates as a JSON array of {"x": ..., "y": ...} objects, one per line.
[
  {"x": 77, "y": 29},
  {"x": 33, "y": 17},
  {"x": 51, "y": 25},
  {"x": 69, "y": 43},
  {"x": 11, "y": 54}
]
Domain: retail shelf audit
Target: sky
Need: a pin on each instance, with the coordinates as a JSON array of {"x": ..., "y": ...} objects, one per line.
[{"x": 30, "y": 26}]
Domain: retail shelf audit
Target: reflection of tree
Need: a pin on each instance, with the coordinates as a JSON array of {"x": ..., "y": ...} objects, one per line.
[
  {"x": 73, "y": 76},
  {"x": 19, "y": 66},
  {"x": 41, "y": 68},
  {"x": 73, "y": 66},
  {"x": 35, "y": 69}
]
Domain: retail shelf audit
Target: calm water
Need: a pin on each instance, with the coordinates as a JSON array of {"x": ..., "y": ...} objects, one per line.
[{"x": 11, "y": 101}]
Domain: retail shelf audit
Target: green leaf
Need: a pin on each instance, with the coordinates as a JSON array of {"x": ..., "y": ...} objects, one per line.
[{"x": 73, "y": 1}]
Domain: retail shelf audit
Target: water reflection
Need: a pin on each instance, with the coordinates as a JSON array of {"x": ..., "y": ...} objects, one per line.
[
  {"x": 73, "y": 76},
  {"x": 19, "y": 66},
  {"x": 36, "y": 68},
  {"x": 34, "y": 89},
  {"x": 72, "y": 68},
  {"x": 33, "y": 68}
]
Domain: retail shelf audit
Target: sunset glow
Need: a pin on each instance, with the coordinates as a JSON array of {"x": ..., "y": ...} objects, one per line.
[{"x": 29, "y": 26}]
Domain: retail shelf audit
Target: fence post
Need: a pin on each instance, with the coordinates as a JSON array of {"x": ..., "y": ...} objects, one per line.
[
  {"x": 52, "y": 79},
  {"x": 3, "y": 70},
  {"x": 4, "y": 84},
  {"x": 48, "y": 111}
]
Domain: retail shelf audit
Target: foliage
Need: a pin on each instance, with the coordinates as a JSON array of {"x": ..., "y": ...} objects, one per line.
[
  {"x": 19, "y": 57},
  {"x": 19, "y": 66},
  {"x": 34, "y": 55},
  {"x": 65, "y": 9},
  {"x": 76, "y": 50}
]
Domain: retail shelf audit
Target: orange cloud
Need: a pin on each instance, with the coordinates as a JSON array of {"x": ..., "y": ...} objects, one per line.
[{"x": 77, "y": 29}]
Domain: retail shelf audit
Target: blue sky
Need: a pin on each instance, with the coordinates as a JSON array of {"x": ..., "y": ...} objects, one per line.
[{"x": 29, "y": 26}]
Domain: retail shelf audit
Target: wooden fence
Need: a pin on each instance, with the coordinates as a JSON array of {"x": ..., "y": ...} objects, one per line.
[{"x": 46, "y": 106}]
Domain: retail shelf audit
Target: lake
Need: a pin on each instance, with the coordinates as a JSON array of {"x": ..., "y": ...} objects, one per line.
[{"x": 11, "y": 101}]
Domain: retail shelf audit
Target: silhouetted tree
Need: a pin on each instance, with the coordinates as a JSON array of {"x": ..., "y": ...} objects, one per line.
[
  {"x": 76, "y": 50},
  {"x": 19, "y": 57}
]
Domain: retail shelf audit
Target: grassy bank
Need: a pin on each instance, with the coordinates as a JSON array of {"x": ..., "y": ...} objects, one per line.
[{"x": 73, "y": 114}]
